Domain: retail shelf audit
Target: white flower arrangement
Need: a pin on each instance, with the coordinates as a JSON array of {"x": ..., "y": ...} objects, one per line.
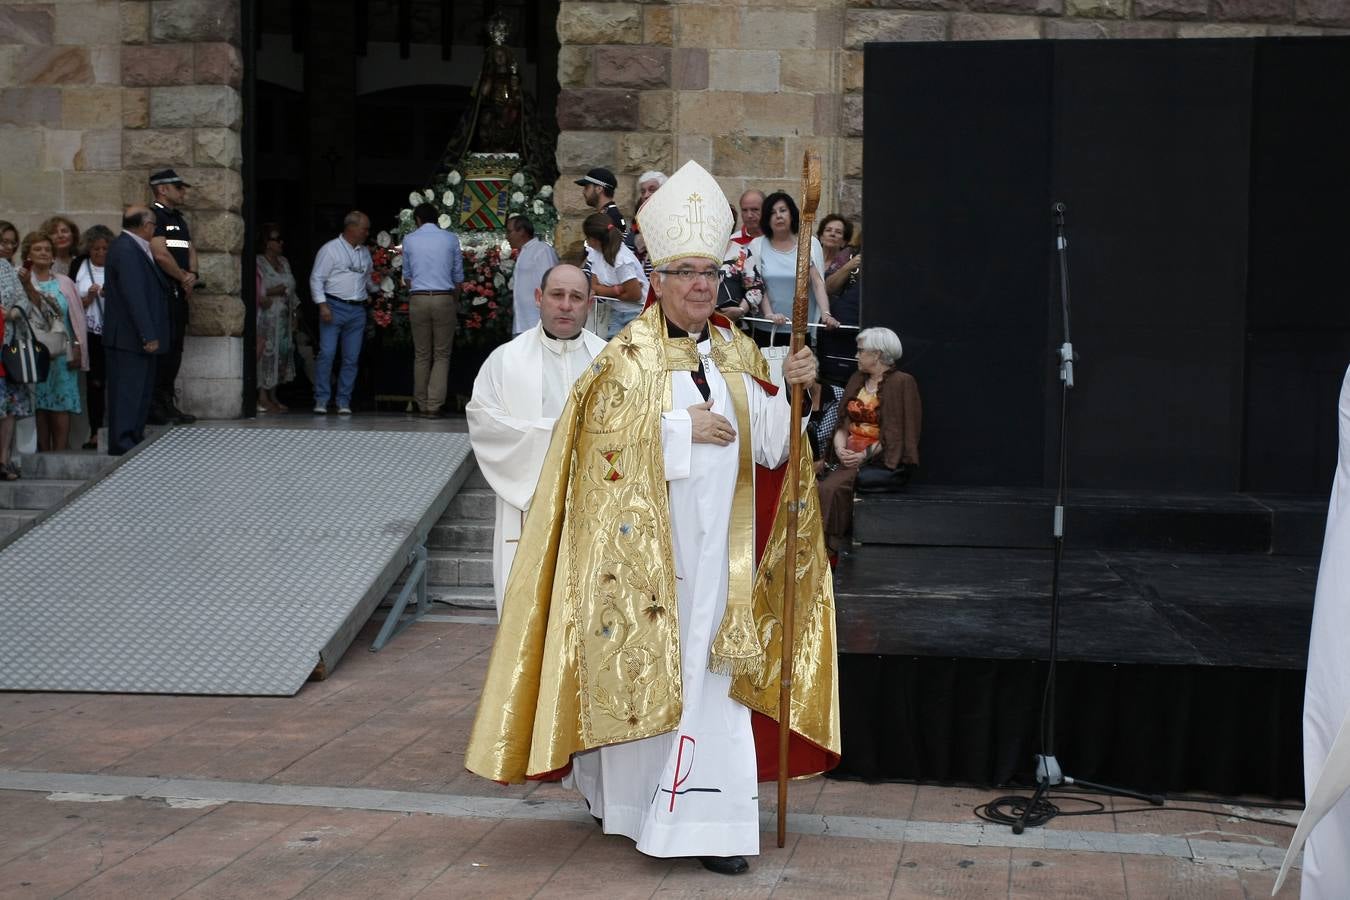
[
  {"x": 448, "y": 198},
  {"x": 387, "y": 285},
  {"x": 518, "y": 179},
  {"x": 454, "y": 178},
  {"x": 546, "y": 191},
  {"x": 383, "y": 239},
  {"x": 429, "y": 195},
  {"x": 517, "y": 198},
  {"x": 444, "y": 220},
  {"x": 397, "y": 262},
  {"x": 414, "y": 198}
]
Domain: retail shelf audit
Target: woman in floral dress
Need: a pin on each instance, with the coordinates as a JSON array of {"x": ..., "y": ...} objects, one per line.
[
  {"x": 277, "y": 305},
  {"x": 16, "y": 400},
  {"x": 55, "y": 295}
]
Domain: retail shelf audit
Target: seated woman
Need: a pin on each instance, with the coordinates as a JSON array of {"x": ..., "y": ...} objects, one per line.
[{"x": 877, "y": 438}]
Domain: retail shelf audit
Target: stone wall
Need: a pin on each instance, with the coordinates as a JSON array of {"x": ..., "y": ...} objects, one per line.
[
  {"x": 742, "y": 86},
  {"x": 96, "y": 94}
]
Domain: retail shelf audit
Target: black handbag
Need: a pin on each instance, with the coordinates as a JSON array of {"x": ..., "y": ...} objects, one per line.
[
  {"x": 26, "y": 361},
  {"x": 878, "y": 479}
]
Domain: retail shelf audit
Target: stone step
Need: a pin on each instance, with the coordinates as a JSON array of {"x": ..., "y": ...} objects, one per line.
[
  {"x": 459, "y": 567},
  {"x": 455, "y": 568},
  {"x": 473, "y": 534},
  {"x": 67, "y": 465},
  {"x": 466, "y": 596},
  {"x": 471, "y": 503},
  {"x": 12, "y": 520},
  {"x": 456, "y": 596},
  {"x": 35, "y": 493}
]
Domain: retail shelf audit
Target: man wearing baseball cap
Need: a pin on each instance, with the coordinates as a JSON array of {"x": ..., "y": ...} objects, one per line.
[{"x": 597, "y": 189}]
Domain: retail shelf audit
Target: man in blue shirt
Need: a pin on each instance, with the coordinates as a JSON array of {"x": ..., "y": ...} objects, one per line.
[{"x": 433, "y": 268}]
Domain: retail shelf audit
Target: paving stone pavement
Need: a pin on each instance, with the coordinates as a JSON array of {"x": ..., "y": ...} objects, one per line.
[{"x": 355, "y": 788}]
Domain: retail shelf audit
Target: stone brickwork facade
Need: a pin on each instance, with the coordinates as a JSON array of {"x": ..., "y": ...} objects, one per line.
[
  {"x": 742, "y": 86},
  {"x": 94, "y": 95}
]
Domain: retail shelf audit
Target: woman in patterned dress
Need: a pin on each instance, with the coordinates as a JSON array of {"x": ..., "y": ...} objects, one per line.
[
  {"x": 277, "y": 306},
  {"x": 54, "y": 295},
  {"x": 16, "y": 400}
]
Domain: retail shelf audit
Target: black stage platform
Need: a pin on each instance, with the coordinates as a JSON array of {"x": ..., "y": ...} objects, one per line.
[{"x": 1182, "y": 667}]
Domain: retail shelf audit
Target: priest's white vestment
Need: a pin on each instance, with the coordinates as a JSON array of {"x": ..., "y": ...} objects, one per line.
[
  {"x": 517, "y": 396},
  {"x": 694, "y": 791},
  {"x": 1325, "y": 824}
]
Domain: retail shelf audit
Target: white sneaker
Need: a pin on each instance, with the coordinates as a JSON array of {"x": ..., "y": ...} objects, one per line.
[
  {"x": 344, "y": 410},
  {"x": 320, "y": 410}
]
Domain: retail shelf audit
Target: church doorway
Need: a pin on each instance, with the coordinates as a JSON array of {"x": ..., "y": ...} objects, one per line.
[{"x": 354, "y": 106}]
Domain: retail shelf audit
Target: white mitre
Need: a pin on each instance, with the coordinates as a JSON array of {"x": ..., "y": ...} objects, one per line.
[{"x": 687, "y": 216}]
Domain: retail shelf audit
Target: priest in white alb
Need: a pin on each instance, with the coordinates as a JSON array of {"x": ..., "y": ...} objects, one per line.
[
  {"x": 517, "y": 396},
  {"x": 1325, "y": 823},
  {"x": 639, "y": 648}
]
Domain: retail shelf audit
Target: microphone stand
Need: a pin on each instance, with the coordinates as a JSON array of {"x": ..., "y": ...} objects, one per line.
[{"x": 1048, "y": 771}]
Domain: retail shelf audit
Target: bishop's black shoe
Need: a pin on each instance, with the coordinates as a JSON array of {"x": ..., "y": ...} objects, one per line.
[
  {"x": 725, "y": 865},
  {"x": 158, "y": 416},
  {"x": 180, "y": 417}
]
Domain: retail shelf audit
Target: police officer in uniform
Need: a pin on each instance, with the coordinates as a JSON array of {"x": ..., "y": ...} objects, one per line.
[{"x": 173, "y": 251}]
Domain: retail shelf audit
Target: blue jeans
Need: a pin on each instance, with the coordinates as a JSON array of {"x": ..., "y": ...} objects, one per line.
[
  {"x": 349, "y": 326},
  {"x": 620, "y": 314}
]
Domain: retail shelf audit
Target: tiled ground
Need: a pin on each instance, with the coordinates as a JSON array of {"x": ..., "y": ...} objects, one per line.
[{"x": 398, "y": 721}]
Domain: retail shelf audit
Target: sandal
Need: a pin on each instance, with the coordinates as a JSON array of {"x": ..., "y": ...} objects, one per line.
[{"x": 9, "y": 472}]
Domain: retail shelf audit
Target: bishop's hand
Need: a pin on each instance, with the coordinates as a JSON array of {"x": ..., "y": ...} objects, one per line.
[
  {"x": 708, "y": 427},
  {"x": 800, "y": 368}
]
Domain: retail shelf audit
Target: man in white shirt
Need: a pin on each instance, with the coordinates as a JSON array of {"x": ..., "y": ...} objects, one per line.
[
  {"x": 519, "y": 392},
  {"x": 533, "y": 259},
  {"x": 340, "y": 284}
]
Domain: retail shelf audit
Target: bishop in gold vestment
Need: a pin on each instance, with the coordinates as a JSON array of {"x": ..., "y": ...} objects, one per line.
[{"x": 639, "y": 645}]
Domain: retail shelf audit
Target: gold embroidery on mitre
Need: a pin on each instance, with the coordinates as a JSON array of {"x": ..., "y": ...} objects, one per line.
[{"x": 689, "y": 225}]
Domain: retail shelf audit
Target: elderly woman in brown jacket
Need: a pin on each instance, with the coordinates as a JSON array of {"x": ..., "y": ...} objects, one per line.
[{"x": 877, "y": 439}]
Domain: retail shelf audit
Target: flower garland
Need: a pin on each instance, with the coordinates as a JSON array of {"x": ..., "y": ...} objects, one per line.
[{"x": 489, "y": 265}]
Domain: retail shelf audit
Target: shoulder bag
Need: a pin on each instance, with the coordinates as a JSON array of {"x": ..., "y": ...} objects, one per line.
[
  {"x": 26, "y": 361},
  {"x": 50, "y": 328}
]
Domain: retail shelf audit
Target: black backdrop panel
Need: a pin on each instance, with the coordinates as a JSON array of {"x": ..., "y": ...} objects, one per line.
[
  {"x": 1299, "y": 319},
  {"x": 1207, "y": 192},
  {"x": 1151, "y": 147},
  {"x": 958, "y": 164}
]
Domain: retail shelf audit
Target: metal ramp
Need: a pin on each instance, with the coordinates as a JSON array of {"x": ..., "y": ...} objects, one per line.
[{"x": 221, "y": 560}]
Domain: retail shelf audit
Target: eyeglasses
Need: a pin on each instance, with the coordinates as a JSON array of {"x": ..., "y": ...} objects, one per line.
[{"x": 711, "y": 276}]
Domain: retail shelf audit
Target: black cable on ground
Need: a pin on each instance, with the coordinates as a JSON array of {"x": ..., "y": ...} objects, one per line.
[{"x": 1008, "y": 810}]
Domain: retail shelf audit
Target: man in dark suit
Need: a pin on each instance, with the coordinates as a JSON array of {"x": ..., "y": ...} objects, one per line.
[{"x": 135, "y": 328}]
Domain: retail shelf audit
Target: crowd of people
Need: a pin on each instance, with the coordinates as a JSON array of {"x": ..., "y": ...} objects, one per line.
[{"x": 56, "y": 295}]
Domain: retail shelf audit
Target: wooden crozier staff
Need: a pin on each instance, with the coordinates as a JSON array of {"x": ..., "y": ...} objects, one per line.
[{"x": 810, "y": 199}]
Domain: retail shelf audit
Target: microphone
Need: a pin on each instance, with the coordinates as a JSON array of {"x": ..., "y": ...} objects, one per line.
[{"x": 1057, "y": 209}]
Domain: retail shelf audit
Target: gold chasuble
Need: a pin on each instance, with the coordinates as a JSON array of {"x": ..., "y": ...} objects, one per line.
[{"x": 588, "y": 650}]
